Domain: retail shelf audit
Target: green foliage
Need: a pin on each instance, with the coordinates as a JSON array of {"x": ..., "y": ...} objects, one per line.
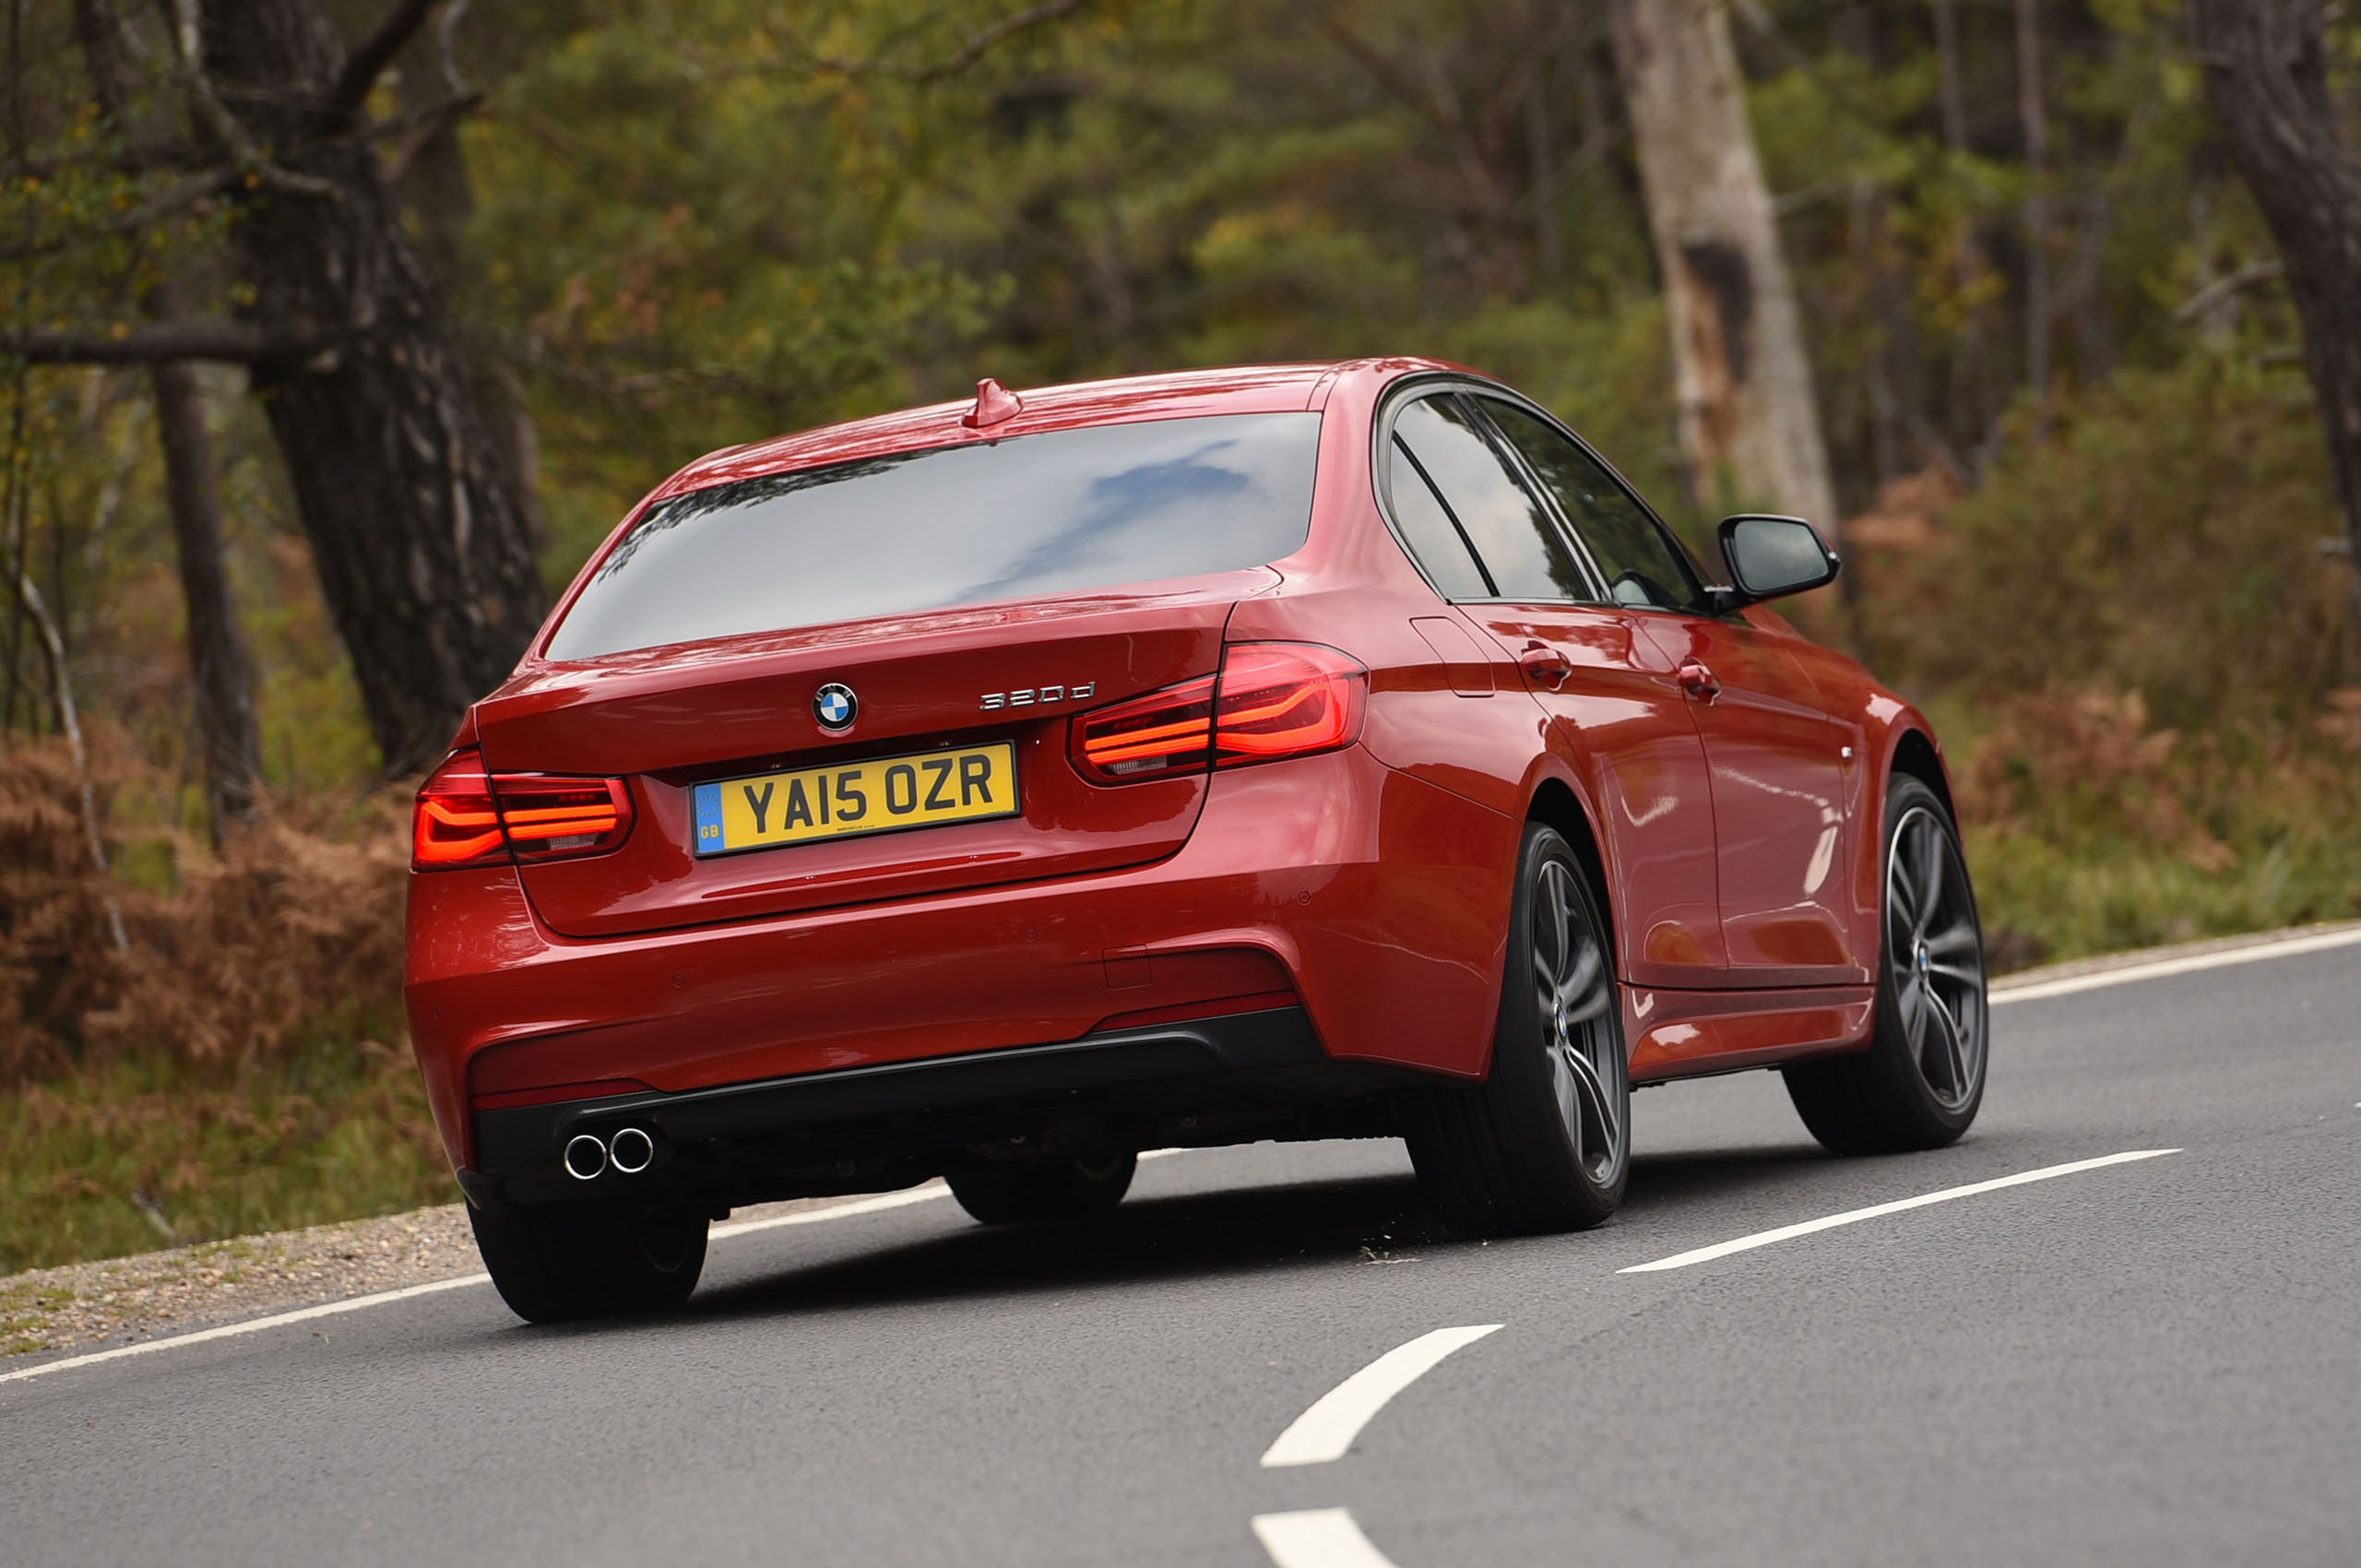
[{"x": 2165, "y": 539}]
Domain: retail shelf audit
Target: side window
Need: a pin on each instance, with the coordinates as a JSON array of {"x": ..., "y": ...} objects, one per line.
[
  {"x": 1434, "y": 539},
  {"x": 1644, "y": 567},
  {"x": 1520, "y": 547}
]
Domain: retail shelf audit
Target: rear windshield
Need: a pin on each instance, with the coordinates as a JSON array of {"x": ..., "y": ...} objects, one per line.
[{"x": 1064, "y": 512}]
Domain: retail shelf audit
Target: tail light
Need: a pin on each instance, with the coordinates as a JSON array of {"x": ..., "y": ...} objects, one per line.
[
  {"x": 467, "y": 817},
  {"x": 1270, "y": 700}
]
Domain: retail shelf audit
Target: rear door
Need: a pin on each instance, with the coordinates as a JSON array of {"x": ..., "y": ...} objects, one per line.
[
  {"x": 1488, "y": 542},
  {"x": 1778, "y": 756},
  {"x": 830, "y": 686}
]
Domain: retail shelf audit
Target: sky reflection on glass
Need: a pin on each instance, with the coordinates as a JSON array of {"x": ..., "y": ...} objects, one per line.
[{"x": 1034, "y": 516}]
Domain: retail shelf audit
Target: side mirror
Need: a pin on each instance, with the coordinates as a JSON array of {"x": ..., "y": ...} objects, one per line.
[{"x": 1770, "y": 557}]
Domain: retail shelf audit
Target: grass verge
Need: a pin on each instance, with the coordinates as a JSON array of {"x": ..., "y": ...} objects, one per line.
[{"x": 151, "y": 1151}]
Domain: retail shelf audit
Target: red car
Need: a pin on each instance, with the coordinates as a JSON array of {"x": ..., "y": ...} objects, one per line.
[{"x": 995, "y": 789}]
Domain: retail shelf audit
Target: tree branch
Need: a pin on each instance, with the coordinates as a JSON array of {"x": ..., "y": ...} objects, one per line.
[
  {"x": 2199, "y": 305},
  {"x": 234, "y": 342},
  {"x": 1492, "y": 201},
  {"x": 370, "y": 57},
  {"x": 187, "y": 32},
  {"x": 160, "y": 205},
  {"x": 432, "y": 118},
  {"x": 978, "y": 45}
]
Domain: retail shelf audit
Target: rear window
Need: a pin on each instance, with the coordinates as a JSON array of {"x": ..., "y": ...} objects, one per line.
[{"x": 1064, "y": 512}]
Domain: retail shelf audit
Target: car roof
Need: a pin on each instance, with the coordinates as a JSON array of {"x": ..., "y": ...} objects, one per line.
[{"x": 1239, "y": 389}]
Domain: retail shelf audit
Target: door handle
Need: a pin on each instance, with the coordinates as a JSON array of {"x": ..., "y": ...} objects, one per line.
[
  {"x": 1546, "y": 667},
  {"x": 1699, "y": 683}
]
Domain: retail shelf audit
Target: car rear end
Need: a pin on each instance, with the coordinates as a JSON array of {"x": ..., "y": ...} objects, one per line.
[{"x": 895, "y": 798}]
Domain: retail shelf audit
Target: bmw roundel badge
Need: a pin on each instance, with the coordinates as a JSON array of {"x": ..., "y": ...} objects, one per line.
[{"x": 834, "y": 705}]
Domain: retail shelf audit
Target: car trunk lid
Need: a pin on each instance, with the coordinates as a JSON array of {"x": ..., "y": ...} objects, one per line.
[{"x": 668, "y": 720}]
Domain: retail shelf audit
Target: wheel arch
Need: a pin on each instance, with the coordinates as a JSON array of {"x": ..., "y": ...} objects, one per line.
[
  {"x": 1555, "y": 804},
  {"x": 1915, "y": 755}
]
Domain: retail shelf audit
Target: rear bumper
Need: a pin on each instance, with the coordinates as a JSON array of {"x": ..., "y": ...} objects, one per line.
[
  {"x": 861, "y": 1127},
  {"x": 1370, "y": 901}
]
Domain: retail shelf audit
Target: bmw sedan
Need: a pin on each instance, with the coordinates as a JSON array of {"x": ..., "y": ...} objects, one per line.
[{"x": 995, "y": 789}]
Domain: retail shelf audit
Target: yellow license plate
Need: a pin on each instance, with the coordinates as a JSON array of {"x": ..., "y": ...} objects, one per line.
[{"x": 876, "y": 796}]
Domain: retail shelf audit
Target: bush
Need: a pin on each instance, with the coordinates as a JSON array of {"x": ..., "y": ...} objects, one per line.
[
  {"x": 2088, "y": 829},
  {"x": 2166, "y": 539},
  {"x": 292, "y": 932}
]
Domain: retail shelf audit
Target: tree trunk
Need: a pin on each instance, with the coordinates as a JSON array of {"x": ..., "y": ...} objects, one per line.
[
  {"x": 1970, "y": 375},
  {"x": 422, "y": 549},
  {"x": 2034, "y": 119},
  {"x": 429, "y": 170},
  {"x": 2266, "y": 74},
  {"x": 1749, "y": 420},
  {"x": 217, "y": 648},
  {"x": 216, "y": 651}
]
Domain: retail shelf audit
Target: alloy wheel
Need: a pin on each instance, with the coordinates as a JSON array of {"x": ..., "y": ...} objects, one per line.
[
  {"x": 1935, "y": 957},
  {"x": 1575, "y": 989}
]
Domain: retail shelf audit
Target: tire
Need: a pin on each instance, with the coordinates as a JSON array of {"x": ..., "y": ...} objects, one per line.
[
  {"x": 1919, "y": 1083},
  {"x": 1044, "y": 1195},
  {"x": 562, "y": 1261},
  {"x": 1544, "y": 1143}
]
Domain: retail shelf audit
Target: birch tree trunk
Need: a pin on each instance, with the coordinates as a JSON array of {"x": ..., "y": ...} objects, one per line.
[
  {"x": 2266, "y": 73},
  {"x": 1750, "y": 418}
]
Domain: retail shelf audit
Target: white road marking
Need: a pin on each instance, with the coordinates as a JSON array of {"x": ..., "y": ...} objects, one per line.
[
  {"x": 330, "y": 1309},
  {"x": 252, "y": 1326},
  {"x": 2317, "y": 942},
  {"x": 1854, "y": 1217},
  {"x": 1326, "y": 1430},
  {"x": 1317, "y": 1538},
  {"x": 877, "y": 1205}
]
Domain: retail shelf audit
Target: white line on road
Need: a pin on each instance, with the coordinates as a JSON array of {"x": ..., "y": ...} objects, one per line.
[
  {"x": 1854, "y": 1217},
  {"x": 252, "y": 1326},
  {"x": 1317, "y": 1538},
  {"x": 1326, "y": 1430},
  {"x": 883, "y": 1200},
  {"x": 2189, "y": 965},
  {"x": 378, "y": 1299}
]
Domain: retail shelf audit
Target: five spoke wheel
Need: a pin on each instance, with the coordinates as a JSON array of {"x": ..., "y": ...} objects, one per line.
[
  {"x": 1544, "y": 1142},
  {"x": 1920, "y": 1080},
  {"x": 1575, "y": 993},
  {"x": 1934, "y": 956}
]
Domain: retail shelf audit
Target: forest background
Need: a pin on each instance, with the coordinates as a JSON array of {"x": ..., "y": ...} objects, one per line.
[{"x": 2077, "y": 465}]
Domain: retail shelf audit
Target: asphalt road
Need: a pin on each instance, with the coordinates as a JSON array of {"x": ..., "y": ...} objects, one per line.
[{"x": 2151, "y": 1363}]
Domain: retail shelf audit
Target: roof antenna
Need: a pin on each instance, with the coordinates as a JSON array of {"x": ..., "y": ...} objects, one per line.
[{"x": 994, "y": 404}]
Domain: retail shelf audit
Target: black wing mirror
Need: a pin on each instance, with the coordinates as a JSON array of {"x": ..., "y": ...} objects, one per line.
[{"x": 1770, "y": 557}]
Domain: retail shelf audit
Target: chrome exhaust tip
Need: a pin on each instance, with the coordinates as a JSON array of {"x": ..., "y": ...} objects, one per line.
[
  {"x": 585, "y": 1157},
  {"x": 631, "y": 1151}
]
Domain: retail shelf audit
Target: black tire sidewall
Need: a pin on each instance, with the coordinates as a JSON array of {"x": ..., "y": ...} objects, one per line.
[{"x": 562, "y": 1261}]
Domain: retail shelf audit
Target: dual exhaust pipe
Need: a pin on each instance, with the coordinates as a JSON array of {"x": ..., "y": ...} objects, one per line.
[{"x": 629, "y": 1151}]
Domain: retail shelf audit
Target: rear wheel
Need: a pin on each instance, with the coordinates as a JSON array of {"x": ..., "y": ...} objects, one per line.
[
  {"x": 1037, "y": 1194},
  {"x": 568, "y": 1261},
  {"x": 1545, "y": 1142},
  {"x": 1919, "y": 1083}
]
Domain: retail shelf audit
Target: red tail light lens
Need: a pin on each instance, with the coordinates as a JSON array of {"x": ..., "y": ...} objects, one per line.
[
  {"x": 465, "y": 817},
  {"x": 1286, "y": 699},
  {"x": 456, "y": 822},
  {"x": 1162, "y": 733},
  {"x": 553, "y": 818},
  {"x": 1272, "y": 700}
]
